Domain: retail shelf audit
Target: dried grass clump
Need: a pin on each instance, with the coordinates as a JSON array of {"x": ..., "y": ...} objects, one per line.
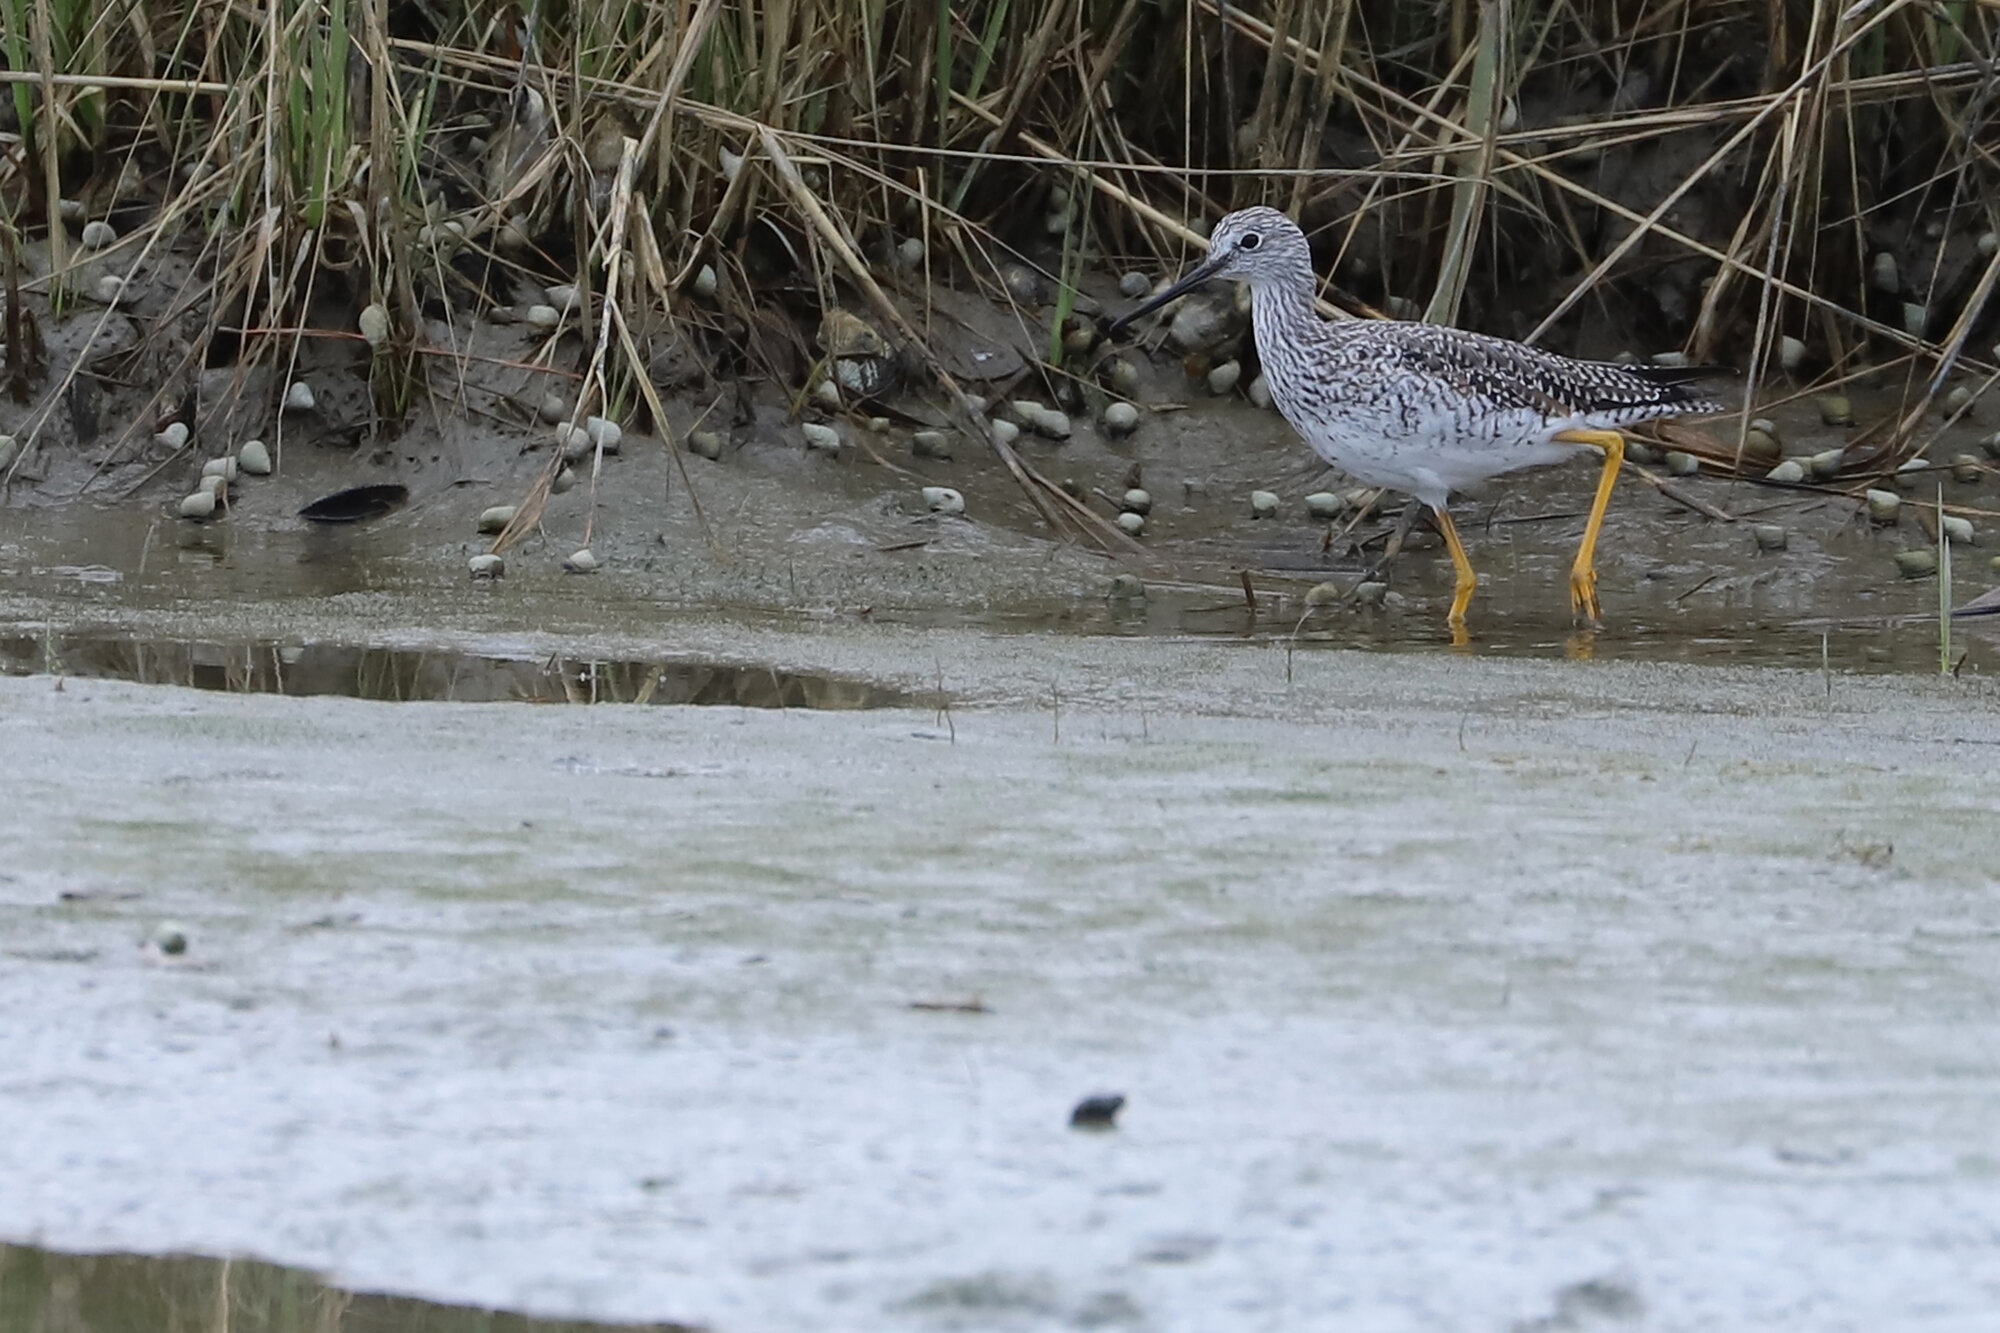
[{"x": 1723, "y": 175}]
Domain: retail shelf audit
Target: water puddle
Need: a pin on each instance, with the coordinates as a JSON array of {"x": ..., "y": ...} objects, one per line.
[
  {"x": 410, "y": 674},
  {"x": 124, "y": 1293}
]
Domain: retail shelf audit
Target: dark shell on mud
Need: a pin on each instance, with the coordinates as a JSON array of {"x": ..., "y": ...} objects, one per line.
[{"x": 356, "y": 504}]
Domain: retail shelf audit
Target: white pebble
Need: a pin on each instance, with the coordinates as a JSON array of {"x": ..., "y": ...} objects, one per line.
[
  {"x": 1958, "y": 531},
  {"x": 542, "y": 316},
  {"x": 911, "y": 252},
  {"x": 580, "y": 562},
  {"x": 566, "y": 297},
  {"x": 553, "y": 408},
  {"x": 563, "y": 481},
  {"x": 1682, "y": 464},
  {"x": 1958, "y": 399},
  {"x": 300, "y": 397},
  {"x": 486, "y": 566},
  {"x": 199, "y": 505},
  {"x": 930, "y": 444},
  {"x": 174, "y": 436},
  {"x": 111, "y": 289},
  {"x": 98, "y": 235},
  {"x": 1909, "y": 474},
  {"x": 254, "y": 458},
  {"x": 1883, "y": 506},
  {"x": 573, "y": 440},
  {"x": 1005, "y": 432},
  {"x": 70, "y": 210},
  {"x": 1223, "y": 378},
  {"x": 496, "y": 518},
  {"x": 1137, "y": 501},
  {"x": 1134, "y": 285},
  {"x": 374, "y": 323},
  {"x": 1051, "y": 424},
  {"x": 1916, "y": 318},
  {"x": 1789, "y": 470},
  {"x": 604, "y": 432},
  {"x": 1791, "y": 352},
  {"x": 1133, "y": 524},
  {"x": 1882, "y": 273},
  {"x": 1324, "y": 504},
  {"x": 214, "y": 484},
  {"x": 1670, "y": 359},
  {"x": 1263, "y": 504},
  {"x": 1121, "y": 419},
  {"x": 1260, "y": 392},
  {"x": 225, "y": 468},
  {"x": 1825, "y": 465},
  {"x": 824, "y": 438},
  {"x": 705, "y": 283},
  {"x": 944, "y": 500},
  {"x": 1988, "y": 243},
  {"x": 827, "y": 394},
  {"x": 732, "y": 163},
  {"x": 705, "y": 444}
]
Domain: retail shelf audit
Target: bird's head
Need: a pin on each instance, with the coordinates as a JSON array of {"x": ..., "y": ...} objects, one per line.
[{"x": 1260, "y": 246}]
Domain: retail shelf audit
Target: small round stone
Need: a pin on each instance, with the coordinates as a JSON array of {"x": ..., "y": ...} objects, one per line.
[
  {"x": 1260, "y": 392},
  {"x": 930, "y": 444},
  {"x": 1134, "y": 524},
  {"x": 496, "y": 518},
  {"x": 1959, "y": 399},
  {"x": 1791, "y": 352},
  {"x": 1263, "y": 504},
  {"x": 823, "y": 438},
  {"x": 563, "y": 481},
  {"x": 1836, "y": 409},
  {"x": 574, "y": 441},
  {"x": 1127, "y": 588},
  {"x": 553, "y": 408},
  {"x": 1641, "y": 452},
  {"x": 225, "y": 468},
  {"x": 110, "y": 289},
  {"x": 911, "y": 252},
  {"x": 705, "y": 283},
  {"x": 254, "y": 458},
  {"x": 199, "y": 505},
  {"x": 1917, "y": 564},
  {"x": 486, "y": 566},
  {"x": 374, "y": 323},
  {"x": 1079, "y": 340},
  {"x": 1791, "y": 470},
  {"x": 1051, "y": 424},
  {"x": 1682, "y": 464},
  {"x": 705, "y": 444},
  {"x": 1005, "y": 432},
  {"x": 174, "y": 436},
  {"x": 1968, "y": 469},
  {"x": 827, "y": 394},
  {"x": 1223, "y": 378},
  {"x": 1137, "y": 501},
  {"x": 1957, "y": 530},
  {"x": 300, "y": 397},
  {"x": 1991, "y": 445},
  {"x": 604, "y": 433},
  {"x": 1670, "y": 359},
  {"x": 944, "y": 500},
  {"x": 1909, "y": 474},
  {"x": 1883, "y": 273},
  {"x": 215, "y": 484},
  {"x": 1324, "y": 505},
  {"x": 1770, "y": 537},
  {"x": 1134, "y": 285},
  {"x": 98, "y": 235},
  {"x": 1121, "y": 419},
  {"x": 1761, "y": 447},
  {"x": 583, "y": 561},
  {"x": 170, "y": 938},
  {"x": 1371, "y": 593},
  {"x": 1124, "y": 377},
  {"x": 542, "y": 316},
  {"x": 1825, "y": 465},
  {"x": 1884, "y": 507}
]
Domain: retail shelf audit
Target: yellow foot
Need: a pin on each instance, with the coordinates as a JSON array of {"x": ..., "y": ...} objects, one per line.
[{"x": 1583, "y": 596}]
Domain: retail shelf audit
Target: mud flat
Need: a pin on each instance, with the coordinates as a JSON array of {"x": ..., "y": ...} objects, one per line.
[{"x": 1444, "y": 993}]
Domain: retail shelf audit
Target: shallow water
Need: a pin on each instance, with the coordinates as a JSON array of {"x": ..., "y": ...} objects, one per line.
[{"x": 1445, "y": 994}]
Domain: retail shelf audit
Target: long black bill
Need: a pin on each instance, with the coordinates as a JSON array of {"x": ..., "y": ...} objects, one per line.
[{"x": 1206, "y": 270}]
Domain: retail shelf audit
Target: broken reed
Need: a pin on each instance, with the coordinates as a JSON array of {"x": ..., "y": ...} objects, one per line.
[{"x": 1729, "y": 171}]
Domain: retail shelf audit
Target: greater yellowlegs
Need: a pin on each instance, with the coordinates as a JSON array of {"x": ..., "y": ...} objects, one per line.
[{"x": 1421, "y": 408}]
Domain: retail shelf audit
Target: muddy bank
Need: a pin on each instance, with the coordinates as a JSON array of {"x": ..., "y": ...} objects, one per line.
[{"x": 1444, "y": 993}]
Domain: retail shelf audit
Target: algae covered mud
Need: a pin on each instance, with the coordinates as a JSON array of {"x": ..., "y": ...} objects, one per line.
[{"x": 1442, "y": 992}]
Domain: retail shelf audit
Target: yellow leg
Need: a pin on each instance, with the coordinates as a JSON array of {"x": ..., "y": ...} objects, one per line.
[
  {"x": 1583, "y": 574},
  {"x": 1462, "y": 563}
]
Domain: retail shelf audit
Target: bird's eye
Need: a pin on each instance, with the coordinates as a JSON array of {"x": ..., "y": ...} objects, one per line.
[{"x": 1251, "y": 240}]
